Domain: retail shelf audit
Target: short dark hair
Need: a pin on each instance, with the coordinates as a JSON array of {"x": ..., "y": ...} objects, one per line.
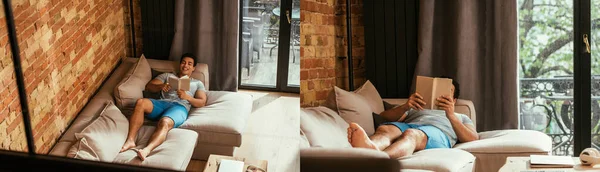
[
  {"x": 190, "y": 55},
  {"x": 456, "y": 86}
]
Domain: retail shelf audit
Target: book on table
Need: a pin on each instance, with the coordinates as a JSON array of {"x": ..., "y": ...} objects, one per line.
[
  {"x": 432, "y": 88},
  {"x": 231, "y": 166},
  {"x": 180, "y": 83},
  {"x": 548, "y": 161}
]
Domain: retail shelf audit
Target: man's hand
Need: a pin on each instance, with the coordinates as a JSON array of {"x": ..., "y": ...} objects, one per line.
[
  {"x": 183, "y": 95},
  {"x": 447, "y": 104},
  {"x": 166, "y": 87},
  {"x": 415, "y": 101}
]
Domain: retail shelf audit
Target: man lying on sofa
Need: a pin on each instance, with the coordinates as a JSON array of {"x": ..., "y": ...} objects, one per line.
[
  {"x": 171, "y": 110},
  {"x": 414, "y": 128}
]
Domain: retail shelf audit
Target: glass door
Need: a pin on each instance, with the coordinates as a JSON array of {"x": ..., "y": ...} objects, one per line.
[
  {"x": 595, "y": 74},
  {"x": 546, "y": 70},
  {"x": 269, "y": 45},
  {"x": 558, "y": 72}
]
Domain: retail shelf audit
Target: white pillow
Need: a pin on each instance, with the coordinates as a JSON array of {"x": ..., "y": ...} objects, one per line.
[{"x": 103, "y": 138}]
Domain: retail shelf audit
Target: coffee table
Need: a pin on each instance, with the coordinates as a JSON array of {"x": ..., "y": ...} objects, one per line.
[
  {"x": 214, "y": 160},
  {"x": 521, "y": 164}
]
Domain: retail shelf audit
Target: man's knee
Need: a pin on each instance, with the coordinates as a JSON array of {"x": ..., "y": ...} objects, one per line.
[
  {"x": 384, "y": 129},
  {"x": 413, "y": 133},
  {"x": 166, "y": 122},
  {"x": 141, "y": 103},
  {"x": 144, "y": 104}
]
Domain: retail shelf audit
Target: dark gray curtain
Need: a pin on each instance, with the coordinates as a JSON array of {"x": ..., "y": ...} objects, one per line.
[
  {"x": 209, "y": 29},
  {"x": 474, "y": 41}
]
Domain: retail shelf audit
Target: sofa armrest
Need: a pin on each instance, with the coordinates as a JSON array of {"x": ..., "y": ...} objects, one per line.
[
  {"x": 509, "y": 141},
  {"x": 346, "y": 159},
  {"x": 342, "y": 153}
]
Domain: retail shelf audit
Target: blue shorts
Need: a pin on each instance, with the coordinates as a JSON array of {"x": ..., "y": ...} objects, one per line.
[
  {"x": 435, "y": 137},
  {"x": 177, "y": 112}
]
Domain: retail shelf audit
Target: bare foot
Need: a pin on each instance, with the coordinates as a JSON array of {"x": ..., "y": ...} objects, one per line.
[
  {"x": 142, "y": 153},
  {"x": 358, "y": 138},
  {"x": 128, "y": 145}
]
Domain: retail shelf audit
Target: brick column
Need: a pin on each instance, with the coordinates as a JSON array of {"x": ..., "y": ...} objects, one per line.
[{"x": 323, "y": 44}]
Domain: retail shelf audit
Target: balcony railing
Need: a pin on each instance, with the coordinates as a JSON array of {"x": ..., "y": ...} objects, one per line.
[{"x": 546, "y": 104}]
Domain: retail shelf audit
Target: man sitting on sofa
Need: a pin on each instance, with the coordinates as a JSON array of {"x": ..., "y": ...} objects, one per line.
[
  {"x": 171, "y": 110},
  {"x": 414, "y": 128}
]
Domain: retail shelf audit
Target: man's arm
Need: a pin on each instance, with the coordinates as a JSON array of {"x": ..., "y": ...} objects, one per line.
[
  {"x": 198, "y": 101},
  {"x": 395, "y": 114},
  {"x": 156, "y": 85},
  {"x": 415, "y": 101},
  {"x": 464, "y": 132}
]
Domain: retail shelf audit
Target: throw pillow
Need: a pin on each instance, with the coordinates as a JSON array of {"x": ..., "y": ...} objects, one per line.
[
  {"x": 129, "y": 90},
  {"x": 353, "y": 107},
  {"x": 372, "y": 97},
  {"x": 103, "y": 138}
]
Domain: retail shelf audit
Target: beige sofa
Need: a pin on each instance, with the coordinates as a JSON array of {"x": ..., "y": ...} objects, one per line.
[
  {"x": 487, "y": 154},
  {"x": 213, "y": 129}
]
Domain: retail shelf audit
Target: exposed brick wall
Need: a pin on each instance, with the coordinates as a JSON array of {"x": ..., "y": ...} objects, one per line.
[
  {"x": 67, "y": 49},
  {"x": 323, "y": 41},
  {"x": 12, "y": 132},
  {"x": 137, "y": 19}
]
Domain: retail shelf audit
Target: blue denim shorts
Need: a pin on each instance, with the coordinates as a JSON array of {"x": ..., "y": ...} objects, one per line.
[
  {"x": 435, "y": 137},
  {"x": 177, "y": 112}
]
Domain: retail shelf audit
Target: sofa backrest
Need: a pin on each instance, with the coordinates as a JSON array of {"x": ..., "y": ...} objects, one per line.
[
  {"x": 201, "y": 72},
  {"x": 461, "y": 106}
]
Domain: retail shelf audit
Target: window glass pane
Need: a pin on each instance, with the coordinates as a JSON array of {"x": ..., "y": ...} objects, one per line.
[
  {"x": 259, "y": 39},
  {"x": 546, "y": 70}
]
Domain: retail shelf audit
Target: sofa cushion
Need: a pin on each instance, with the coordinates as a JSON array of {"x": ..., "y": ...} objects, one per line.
[
  {"x": 222, "y": 120},
  {"x": 129, "y": 90},
  {"x": 82, "y": 150},
  {"x": 509, "y": 141},
  {"x": 103, "y": 138},
  {"x": 173, "y": 154},
  {"x": 372, "y": 97},
  {"x": 441, "y": 160},
  {"x": 323, "y": 127},
  {"x": 352, "y": 107},
  {"x": 343, "y": 153}
]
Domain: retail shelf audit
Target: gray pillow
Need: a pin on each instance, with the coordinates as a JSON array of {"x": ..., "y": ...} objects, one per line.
[
  {"x": 129, "y": 90},
  {"x": 103, "y": 138},
  {"x": 352, "y": 107}
]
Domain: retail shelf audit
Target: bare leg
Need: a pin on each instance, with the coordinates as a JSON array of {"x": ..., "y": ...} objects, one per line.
[
  {"x": 410, "y": 141},
  {"x": 382, "y": 138},
  {"x": 385, "y": 135},
  {"x": 142, "y": 106},
  {"x": 158, "y": 137}
]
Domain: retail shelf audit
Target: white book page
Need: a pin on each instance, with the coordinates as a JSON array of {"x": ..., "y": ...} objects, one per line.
[
  {"x": 231, "y": 166},
  {"x": 184, "y": 83},
  {"x": 174, "y": 82}
]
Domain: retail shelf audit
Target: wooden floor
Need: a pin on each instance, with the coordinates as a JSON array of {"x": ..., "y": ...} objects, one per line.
[{"x": 271, "y": 132}]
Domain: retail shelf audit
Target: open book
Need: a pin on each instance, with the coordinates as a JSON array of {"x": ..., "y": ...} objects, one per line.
[
  {"x": 180, "y": 83},
  {"x": 432, "y": 88},
  {"x": 547, "y": 161}
]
